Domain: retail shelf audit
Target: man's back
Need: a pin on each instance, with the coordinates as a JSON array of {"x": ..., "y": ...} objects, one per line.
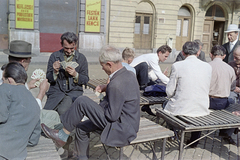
[
  {"x": 122, "y": 109},
  {"x": 188, "y": 88},
  {"x": 222, "y": 77},
  {"x": 17, "y": 128}
]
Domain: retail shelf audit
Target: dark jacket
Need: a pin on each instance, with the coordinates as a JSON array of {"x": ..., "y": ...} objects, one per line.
[
  {"x": 229, "y": 54},
  {"x": 201, "y": 56},
  {"x": 121, "y": 105},
  {"x": 58, "y": 90}
]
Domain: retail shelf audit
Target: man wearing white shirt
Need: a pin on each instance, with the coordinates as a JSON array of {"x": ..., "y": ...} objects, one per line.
[
  {"x": 149, "y": 63},
  {"x": 232, "y": 34},
  {"x": 148, "y": 71}
]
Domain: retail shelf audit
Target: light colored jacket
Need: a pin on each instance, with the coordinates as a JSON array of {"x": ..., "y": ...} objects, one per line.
[{"x": 188, "y": 88}]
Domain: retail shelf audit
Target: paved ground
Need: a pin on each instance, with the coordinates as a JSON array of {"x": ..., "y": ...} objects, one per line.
[{"x": 210, "y": 148}]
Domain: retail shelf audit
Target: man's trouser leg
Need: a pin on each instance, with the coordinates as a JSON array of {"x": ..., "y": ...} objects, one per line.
[
  {"x": 82, "y": 138},
  {"x": 72, "y": 119},
  {"x": 50, "y": 118},
  {"x": 142, "y": 73},
  {"x": 64, "y": 105}
]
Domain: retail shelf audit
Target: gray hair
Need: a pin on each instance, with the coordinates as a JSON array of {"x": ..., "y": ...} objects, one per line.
[
  {"x": 190, "y": 48},
  {"x": 110, "y": 54},
  {"x": 236, "y": 48},
  {"x": 198, "y": 42},
  {"x": 218, "y": 50}
]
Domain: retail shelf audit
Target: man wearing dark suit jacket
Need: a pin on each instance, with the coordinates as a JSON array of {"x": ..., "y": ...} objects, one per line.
[
  {"x": 65, "y": 84},
  {"x": 117, "y": 116},
  {"x": 232, "y": 34}
]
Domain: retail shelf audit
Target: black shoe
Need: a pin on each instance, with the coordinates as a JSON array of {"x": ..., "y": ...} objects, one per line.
[
  {"x": 229, "y": 140},
  {"x": 236, "y": 131},
  {"x": 194, "y": 145},
  {"x": 148, "y": 110},
  {"x": 142, "y": 87}
]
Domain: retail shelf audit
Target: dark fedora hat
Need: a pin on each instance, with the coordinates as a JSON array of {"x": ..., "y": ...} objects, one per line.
[{"x": 19, "y": 48}]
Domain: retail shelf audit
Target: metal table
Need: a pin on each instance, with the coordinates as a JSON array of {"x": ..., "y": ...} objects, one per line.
[{"x": 217, "y": 119}]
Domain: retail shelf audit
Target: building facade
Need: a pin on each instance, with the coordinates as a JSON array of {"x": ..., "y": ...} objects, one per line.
[{"x": 143, "y": 25}]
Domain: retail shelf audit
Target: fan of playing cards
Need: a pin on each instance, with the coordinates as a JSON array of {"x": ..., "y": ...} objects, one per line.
[
  {"x": 38, "y": 74},
  {"x": 71, "y": 64}
]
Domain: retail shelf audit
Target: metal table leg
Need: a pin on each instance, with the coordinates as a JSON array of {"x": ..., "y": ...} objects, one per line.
[{"x": 181, "y": 145}]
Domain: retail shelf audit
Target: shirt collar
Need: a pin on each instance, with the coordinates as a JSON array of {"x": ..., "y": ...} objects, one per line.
[
  {"x": 111, "y": 75},
  {"x": 234, "y": 42}
]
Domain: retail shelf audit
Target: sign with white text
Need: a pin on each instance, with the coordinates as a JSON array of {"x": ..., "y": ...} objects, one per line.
[
  {"x": 24, "y": 14},
  {"x": 93, "y": 16}
]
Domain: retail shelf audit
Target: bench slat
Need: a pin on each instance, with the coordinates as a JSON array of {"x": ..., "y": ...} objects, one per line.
[{"x": 45, "y": 150}]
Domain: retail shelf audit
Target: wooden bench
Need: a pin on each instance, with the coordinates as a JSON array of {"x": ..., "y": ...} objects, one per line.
[
  {"x": 45, "y": 150},
  {"x": 144, "y": 100},
  {"x": 218, "y": 119},
  {"x": 148, "y": 132}
]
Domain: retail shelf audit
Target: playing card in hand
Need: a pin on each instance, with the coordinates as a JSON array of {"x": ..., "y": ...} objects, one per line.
[
  {"x": 38, "y": 74},
  {"x": 64, "y": 64},
  {"x": 74, "y": 64}
]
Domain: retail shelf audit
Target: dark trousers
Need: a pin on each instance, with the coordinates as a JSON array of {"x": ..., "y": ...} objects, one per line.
[
  {"x": 64, "y": 105},
  {"x": 142, "y": 73},
  {"x": 72, "y": 119},
  {"x": 218, "y": 104}
]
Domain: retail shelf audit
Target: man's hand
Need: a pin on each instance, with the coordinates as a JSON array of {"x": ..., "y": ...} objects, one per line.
[
  {"x": 101, "y": 88},
  {"x": 237, "y": 113},
  {"x": 44, "y": 86},
  {"x": 71, "y": 71},
  {"x": 166, "y": 72},
  {"x": 56, "y": 66},
  {"x": 237, "y": 89},
  {"x": 31, "y": 84}
]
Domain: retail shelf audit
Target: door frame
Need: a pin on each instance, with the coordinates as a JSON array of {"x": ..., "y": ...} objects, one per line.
[
  {"x": 151, "y": 27},
  {"x": 189, "y": 31}
]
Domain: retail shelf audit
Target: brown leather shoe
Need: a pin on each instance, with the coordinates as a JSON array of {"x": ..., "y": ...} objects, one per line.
[{"x": 53, "y": 134}]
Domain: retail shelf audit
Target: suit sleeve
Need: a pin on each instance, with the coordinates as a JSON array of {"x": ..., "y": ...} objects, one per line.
[
  {"x": 34, "y": 138},
  {"x": 83, "y": 71},
  {"x": 115, "y": 103},
  {"x": 5, "y": 103},
  {"x": 50, "y": 69},
  {"x": 172, "y": 84}
]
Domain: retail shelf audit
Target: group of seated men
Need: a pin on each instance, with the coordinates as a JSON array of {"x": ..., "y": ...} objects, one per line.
[{"x": 193, "y": 87}]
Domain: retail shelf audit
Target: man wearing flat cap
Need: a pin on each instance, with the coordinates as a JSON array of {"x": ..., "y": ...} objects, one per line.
[{"x": 232, "y": 34}]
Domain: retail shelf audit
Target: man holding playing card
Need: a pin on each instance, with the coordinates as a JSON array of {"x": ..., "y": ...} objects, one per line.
[{"x": 67, "y": 71}]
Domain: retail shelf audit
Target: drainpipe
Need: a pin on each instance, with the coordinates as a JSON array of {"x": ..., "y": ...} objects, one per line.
[{"x": 109, "y": 12}]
